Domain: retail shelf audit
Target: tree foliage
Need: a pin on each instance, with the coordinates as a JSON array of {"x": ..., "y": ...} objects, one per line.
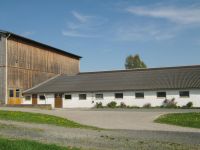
[{"x": 134, "y": 62}]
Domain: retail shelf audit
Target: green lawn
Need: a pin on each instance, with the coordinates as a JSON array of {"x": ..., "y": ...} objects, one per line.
[
  {"x": 181, "y": 119},
  {"x": 40, "y": 118},
  {"x": 13, "y": 144}
]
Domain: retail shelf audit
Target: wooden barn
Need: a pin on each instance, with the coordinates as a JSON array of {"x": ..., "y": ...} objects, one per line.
[{"x": 25, "y": 63}]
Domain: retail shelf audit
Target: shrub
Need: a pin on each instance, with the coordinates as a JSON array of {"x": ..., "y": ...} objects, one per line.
[
  {"x": 169, "y": 103},
  {"x": 112, "y": 104},
  {"x": 189, "y": 105},
  {"x": 99, "y": 105},
  {"x": 122, "y": 105},
  {"x": 147, "y": 105}
]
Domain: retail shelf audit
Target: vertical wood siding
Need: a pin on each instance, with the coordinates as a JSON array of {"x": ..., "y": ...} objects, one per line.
[
  {"x": 30, "y": 64},
  {"x": 2, "y": 69}
]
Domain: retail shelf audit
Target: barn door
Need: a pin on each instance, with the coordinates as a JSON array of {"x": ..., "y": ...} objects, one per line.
[
  {"x": 14, "y": 96},
  {"x": 34, "y": 99},
  {"x": 58, "y": 100}
]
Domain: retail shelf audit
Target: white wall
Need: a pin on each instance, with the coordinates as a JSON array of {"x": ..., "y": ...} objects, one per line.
[{"x": 128, "y": 99}]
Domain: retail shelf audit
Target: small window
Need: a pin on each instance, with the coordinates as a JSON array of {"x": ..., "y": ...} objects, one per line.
[
  {"x": 99, "y": 96},
  {"x": 139, "y": 95},
  {"x": 27, "y": 98},
  {"x": 161, "y": 94},
  {"x": 82, "y": 96},
  {"x": 184, "y": 94},
  {"x": 11, "y": 93},
  {"x": 68, "y": 96},
  {"x": 42, "y": 97},
  {"x": 119, "y": 95},
  {"x": 18, "y": 93}
]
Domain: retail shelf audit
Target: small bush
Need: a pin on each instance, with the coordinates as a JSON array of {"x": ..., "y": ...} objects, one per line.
[
  {"x": 169, "y": 103},
  {"x": 122, "y": 105},
  {"x": 147, "y": 105},
  {"x": 189, "y": 105},
  {"x": 99, "y": 105},
  {"x": 112, "y": 104}
]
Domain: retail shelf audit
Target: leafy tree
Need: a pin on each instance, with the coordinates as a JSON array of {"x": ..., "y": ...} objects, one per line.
[{"x": 133, "y": 62}]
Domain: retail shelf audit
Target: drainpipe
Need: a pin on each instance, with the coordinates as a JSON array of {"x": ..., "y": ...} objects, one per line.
[{"x": 6, "y": 67}]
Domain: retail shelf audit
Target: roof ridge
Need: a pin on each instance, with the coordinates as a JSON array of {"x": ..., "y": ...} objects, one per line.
[
  {"x": 46, "y": 81},
  {"x": 39, "y": 43},
  {"x": 142, "y": 69}
]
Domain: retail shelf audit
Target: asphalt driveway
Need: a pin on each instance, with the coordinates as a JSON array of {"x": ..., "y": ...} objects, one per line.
[{"x": 129, "y": 119}]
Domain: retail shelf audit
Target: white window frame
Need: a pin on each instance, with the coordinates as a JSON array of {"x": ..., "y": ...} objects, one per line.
[
  {"x": 42, "y": 95},
  {"x": 68, "y": 99},
  {"x": 82, "y": 94},
  {"x": 119, "y": 93},
  {"x": 184, "y": 96},
  {"x": 139, "y": 97},
  {"x": 26, "y": 99},
  {"x": 99, "y": 94}
]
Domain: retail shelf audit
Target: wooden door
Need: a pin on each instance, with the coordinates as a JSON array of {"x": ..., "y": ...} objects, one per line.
[
  {"x": 14, "y": 97},
  {"x": 34, "y": 99},
  {"x": 58, "y": 100}
]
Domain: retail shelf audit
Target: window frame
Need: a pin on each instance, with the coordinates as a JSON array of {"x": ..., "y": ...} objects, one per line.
[
  {"x": 68, "y": 95},
  {"x": 13, "y": 93},
  {"x": 136, "y": 97},
  {"x": 157, "y": 94},
  {"x": 119, "y": 93},
  {"x": 184, "y": 96},
  {"x": 99, "y": 98},
  {"x": 79, "y": 95},
  {"x": 25, "y": 98},
  {"x": 42, "y": 99},
  {"x": 17, "y": 93}
]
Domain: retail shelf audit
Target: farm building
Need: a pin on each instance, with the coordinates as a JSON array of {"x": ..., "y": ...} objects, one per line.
[
  {"x": 36, "y": 73},
  {"x": 132, "y": 87},
  {"x": 25, "y": 63}
]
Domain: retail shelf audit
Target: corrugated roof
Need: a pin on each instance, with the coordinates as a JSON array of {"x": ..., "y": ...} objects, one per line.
[
  {"x": 186, "y": 77},
  {"x": 41, "y": 44}
]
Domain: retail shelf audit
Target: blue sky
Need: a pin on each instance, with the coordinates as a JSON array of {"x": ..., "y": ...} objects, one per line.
[{"x": 104, "y": 32}]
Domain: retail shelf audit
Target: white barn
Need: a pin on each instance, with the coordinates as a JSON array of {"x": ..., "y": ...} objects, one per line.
[{"x": 133, "y": 87}]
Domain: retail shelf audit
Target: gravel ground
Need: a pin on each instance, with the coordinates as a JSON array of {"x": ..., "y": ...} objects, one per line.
[
  {"x": 101, "y": 139},
  {"x": 129, "y": 119}
]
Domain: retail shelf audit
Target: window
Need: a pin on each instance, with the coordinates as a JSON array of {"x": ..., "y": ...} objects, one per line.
[
  {"x": 99, "y": 96},
  {"x": 161, "y": 94},
  {"x": 82, "y": 96},
  {"x": 11, "y": 93},
  {"x": 68, "y": 96},
  {"x": 42, "y": 97},
  {"x": 18, "y": 93},
  {"x": 139, "y": 95},
  {"x": 184, "y": 94},
  {"x": 27, "y": 98},
  {"x": 119, "y": 95}
]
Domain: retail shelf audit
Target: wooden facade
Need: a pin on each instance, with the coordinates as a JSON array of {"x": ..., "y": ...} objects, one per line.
[{"x": 29, "y": 63}]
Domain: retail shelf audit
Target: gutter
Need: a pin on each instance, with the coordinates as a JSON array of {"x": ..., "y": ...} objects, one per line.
[{"x": 6, "y": 67}]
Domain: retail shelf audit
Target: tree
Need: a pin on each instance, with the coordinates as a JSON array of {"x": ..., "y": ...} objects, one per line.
[{"x": 134, "y": 62}]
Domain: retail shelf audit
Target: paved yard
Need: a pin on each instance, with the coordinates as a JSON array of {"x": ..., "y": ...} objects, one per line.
[{"x": 133, "y": 119}]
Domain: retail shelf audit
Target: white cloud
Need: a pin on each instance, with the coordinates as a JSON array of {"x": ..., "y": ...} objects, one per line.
[
  {"x": 73, "y": 33},
  {"x": 84, "y": 26},
  {"x": 80, "y": 17},
  {"x": 189, "y": 15},
  {"x": 144, "y": 33}
]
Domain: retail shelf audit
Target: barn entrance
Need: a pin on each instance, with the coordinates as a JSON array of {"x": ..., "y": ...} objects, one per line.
[
  {"x": 34, "y": 99},
  {"x": 14, "y": 96},
  {"x": 58, "y": 100}
]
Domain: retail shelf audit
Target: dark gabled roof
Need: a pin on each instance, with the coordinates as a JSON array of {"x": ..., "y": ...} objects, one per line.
[
  {"x": 186, "y": 77},
  {"x": 41, "y": 44}
]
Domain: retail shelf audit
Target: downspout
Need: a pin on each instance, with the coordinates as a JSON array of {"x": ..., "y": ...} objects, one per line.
[{"x": 6, "y": 67}]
